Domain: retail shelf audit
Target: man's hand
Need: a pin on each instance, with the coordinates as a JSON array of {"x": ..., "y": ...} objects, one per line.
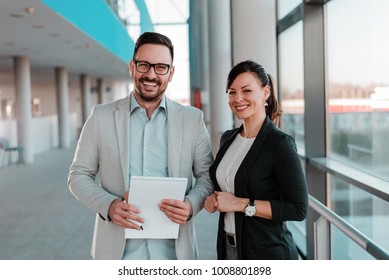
[
  {"x": 120, "y": 213},
  {"x": 210, "y": 203},
  {"x": 176, "y": 210}
]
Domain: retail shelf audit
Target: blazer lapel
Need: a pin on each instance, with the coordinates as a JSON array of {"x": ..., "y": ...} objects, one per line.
[
  {"x": 122, "y": 123},
  {"x": 241, "y": 177},
  {"x": 258, "y": 142},
  {"x": 174, "y": 123}
]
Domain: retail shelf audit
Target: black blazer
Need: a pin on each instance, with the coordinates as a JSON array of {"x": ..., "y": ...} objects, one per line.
[{"x": 272, "y": 171}]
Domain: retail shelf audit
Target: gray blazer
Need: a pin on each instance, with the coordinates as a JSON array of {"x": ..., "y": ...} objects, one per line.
[{"x": 103, "y": 149}]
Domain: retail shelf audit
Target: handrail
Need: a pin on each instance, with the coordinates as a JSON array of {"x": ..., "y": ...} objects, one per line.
[
  {"x": 363, "y": 241},
  {"x": 371, "y": 184}
]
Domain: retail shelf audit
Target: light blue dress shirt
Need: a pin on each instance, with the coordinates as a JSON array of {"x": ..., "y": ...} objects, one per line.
[{"x": 148, "y": 157}]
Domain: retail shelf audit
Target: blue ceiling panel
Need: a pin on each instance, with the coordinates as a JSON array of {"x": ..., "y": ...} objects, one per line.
[{"x": 96, "y": 19}]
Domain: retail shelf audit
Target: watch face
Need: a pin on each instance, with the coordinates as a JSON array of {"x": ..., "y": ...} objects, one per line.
[{"x": 250, "y": 211}]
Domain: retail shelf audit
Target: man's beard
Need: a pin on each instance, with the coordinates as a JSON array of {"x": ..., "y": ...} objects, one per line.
[{"x": 146, "y": 97}]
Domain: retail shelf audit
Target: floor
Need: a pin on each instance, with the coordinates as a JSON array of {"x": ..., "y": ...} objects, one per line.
[{"x": 41, "y": 220}]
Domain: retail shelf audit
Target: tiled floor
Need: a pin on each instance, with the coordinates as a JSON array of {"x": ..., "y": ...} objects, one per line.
[{"x": 41, "y": 220}]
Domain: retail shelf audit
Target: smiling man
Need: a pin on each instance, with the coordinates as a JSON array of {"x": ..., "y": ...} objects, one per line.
[
  {"x": 144, "y": 134},
  {"x": 151, "y": 70}
]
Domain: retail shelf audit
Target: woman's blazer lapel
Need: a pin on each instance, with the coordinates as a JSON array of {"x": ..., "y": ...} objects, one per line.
[{"x": 242, "y": 176}]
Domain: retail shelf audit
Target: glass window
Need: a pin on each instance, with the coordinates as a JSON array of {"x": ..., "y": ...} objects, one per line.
[
  {"x": 358, "y": 84},
  {"x": 365, "y": 212},
  {"x": 291, "y": 82},
  {"x": 286, "y": 6},
  {"x": 343, "y": 248}
]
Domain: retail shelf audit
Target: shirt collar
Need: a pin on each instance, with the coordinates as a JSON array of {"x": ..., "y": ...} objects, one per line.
[{"x": 134, "y": 104}]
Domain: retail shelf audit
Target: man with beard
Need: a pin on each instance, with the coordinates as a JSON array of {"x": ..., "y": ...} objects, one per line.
[{"x": 143, "y": 134}]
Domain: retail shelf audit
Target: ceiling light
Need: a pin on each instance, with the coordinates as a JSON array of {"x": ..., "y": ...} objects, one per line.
[{"x": 29, "y": 10}]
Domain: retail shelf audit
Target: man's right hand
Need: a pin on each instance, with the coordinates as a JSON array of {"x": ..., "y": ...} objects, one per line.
[{"x": 121, "y": 213}]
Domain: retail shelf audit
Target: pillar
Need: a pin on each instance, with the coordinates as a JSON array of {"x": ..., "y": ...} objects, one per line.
[
  {"x": 61, "y": 80},
  {"x": 23, "y": 108},
  {"x": 254, "y": 34},
  {"x": 219, "y": 66}
]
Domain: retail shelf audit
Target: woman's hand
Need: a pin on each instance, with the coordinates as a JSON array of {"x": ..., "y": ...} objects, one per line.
[{"x": 228, "y": 202}]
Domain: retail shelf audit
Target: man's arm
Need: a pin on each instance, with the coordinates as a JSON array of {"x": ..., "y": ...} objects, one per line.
[
  {"x": 82, "y": 176},
  {"x": 202, "y": 160}
]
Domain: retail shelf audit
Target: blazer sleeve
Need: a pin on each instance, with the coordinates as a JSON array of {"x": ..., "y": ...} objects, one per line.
[
  {"x": 289, "y": 176},
  {"x": 202, "y": 160},
  {"x": 82, "y": 176}
]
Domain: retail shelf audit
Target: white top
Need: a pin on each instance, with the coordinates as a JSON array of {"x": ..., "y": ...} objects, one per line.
[{"x": 226, "y": 171}]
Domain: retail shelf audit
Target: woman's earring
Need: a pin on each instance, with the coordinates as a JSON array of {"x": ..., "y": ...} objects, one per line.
[{"x": 265, "y": 104}]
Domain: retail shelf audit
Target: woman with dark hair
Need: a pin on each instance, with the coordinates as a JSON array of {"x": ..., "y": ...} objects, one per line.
[{"x": 257, "y": 175}]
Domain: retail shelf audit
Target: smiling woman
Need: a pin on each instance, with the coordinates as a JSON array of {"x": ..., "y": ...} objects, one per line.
[
  {"x": 257, "y": 150},
  {"x": 250, "y": 87},
  {"x": 247, "y": 98}
]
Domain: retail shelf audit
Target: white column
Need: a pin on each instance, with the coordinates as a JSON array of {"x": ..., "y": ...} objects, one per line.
[
  {"x": 61, "y": 80},
  {"x": 120, "y": 89},
  {"x": 258, "y": 42},
  {"x": 194, "y": 45},
  {"x": 23, "y": 108},
  {"x": 220, "y": 64},
  {"x": 205, "y": 74},
  {"x": 254, "y": 34},
  {"x": 85, "y": 96}
]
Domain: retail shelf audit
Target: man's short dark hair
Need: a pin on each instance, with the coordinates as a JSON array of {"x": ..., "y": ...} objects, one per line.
[{"x": 156, "y": 39}]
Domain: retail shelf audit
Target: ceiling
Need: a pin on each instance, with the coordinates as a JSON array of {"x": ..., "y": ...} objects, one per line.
[{"x": 29, "y": 28}]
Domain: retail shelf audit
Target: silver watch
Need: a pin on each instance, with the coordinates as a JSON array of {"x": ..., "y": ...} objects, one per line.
[{"x": 250, "y": 209}]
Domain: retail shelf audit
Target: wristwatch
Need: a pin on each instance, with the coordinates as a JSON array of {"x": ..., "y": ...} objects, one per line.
[{"x": 250, "y": 209}]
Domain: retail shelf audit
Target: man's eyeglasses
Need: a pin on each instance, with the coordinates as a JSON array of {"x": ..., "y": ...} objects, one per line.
[{"x": 144, "y": 67}]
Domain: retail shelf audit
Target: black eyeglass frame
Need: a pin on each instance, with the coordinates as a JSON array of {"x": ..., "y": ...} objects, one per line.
[{"x": 151, "y": 65}]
